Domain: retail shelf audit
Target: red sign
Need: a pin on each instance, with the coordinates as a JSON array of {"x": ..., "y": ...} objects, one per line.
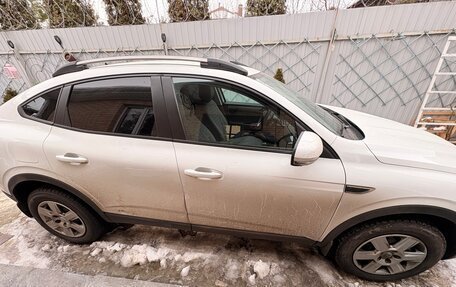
[{"x": 10, "y": 71}]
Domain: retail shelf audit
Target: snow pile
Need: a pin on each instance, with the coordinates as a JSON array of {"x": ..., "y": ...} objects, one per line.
[
  {"x": 251, "y": 279},
  {"x": 115, "y": 247},
  {"x": 185, "y": 270},
  {"x": 258, "y": 270},
  {"x": 261, "y": 268},
  {"x": 131, "y": 255},
  {"x": 157, "y": 254},
  {"x": 232, "y": 270},
  {"x": 135, "y": 255},
  {"x": 95, "y": 252}
]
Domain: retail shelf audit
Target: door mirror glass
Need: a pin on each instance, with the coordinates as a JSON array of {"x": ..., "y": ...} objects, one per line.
[{"x": 308, "y": 149}]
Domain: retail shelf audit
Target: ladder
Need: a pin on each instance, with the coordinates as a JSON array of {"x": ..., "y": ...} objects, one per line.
[{"x": 432, "y": 117}]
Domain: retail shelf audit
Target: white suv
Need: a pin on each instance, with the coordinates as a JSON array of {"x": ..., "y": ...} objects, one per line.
[{"x": 207, "y": 145}]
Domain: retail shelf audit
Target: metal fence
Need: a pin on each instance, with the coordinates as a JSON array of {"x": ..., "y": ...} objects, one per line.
[{"x": 348, "y": 58}]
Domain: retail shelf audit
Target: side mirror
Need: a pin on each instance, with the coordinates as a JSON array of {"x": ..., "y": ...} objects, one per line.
[{"x": 307, "y": 150}]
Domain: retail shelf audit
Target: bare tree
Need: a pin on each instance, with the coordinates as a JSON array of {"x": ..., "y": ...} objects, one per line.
[
  {"x": 265, "y": 7},
  {"x": 124, "y": 12},
  {"x": 188, "y": 10},
  {"x": 297, "y": 6},
  {"x": 69, "y": 13},
  {"x": 17, "y": 14}
]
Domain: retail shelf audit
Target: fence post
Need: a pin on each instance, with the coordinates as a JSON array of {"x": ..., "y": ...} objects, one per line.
[{"x": 165, "y": 46}]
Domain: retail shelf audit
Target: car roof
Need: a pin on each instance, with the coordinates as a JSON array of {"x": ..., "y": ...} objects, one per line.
[
  {"x": 208, "y": 63},
  {"x": 164, "y": 65}
]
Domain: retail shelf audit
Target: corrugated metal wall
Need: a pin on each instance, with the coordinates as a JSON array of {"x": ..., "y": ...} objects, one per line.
[{"x": 378, "y": 59}]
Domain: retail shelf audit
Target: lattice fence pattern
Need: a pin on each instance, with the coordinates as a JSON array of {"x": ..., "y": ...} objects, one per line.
[
  {"x": 384, "y": 70},
  {"x": 297, "y": 59},
  {"x": 364, "y": 73}
]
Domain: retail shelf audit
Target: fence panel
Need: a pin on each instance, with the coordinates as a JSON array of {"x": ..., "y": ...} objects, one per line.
[{"x": 386, "y": 76}]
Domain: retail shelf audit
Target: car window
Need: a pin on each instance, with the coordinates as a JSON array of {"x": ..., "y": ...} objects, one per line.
[
  {"x": 120, "y": 106},
  {"x": 244, "y": 120},
  {"x": 233, "y": 97},
  {"x": 331, "y": 122},
  {"x": 43, "y": 107}
]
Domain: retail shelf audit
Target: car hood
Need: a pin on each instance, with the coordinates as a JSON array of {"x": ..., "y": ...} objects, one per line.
[{"x": 395, "y": 143}]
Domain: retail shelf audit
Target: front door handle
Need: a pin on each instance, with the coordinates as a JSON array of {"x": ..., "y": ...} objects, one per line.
[
  {"x": 72, "y": 159},
  {"x": 203, "y": 173}
]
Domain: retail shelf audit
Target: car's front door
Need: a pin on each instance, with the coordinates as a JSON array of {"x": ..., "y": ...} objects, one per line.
[
  {"x": 235, "y": 163},
  {"x": 111, "y": 142}
]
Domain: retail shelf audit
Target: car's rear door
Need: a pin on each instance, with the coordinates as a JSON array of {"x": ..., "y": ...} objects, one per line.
[
  {"x": 111, "y": 140},
  {"x": 246, "y": 181}
]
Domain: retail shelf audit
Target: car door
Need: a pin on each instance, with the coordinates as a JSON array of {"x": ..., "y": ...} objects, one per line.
[
  {"x": 244, "y": 179},
  {"x": 112, "y": 142}
]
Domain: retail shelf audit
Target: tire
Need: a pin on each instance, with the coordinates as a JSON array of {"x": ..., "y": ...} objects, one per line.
[
  {"x": 80, "y": 227},
  {"x": 363, "y": 249}
]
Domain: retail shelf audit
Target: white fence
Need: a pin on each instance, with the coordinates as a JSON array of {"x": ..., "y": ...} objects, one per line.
[{"x": 379, "y": 60}]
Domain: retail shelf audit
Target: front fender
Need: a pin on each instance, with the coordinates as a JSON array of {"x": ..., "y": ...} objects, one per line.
[{"x": 410, "y": 211}]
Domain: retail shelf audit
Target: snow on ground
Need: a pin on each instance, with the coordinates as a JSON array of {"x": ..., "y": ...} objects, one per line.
[
  {"x": 24, "y": 247},
  {"x": 162, "y": 255}
]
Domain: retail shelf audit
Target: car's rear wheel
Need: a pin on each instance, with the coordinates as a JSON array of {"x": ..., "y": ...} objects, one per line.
[
  {"x": 65, "y": 216},
  {"x": 390, "y": 250}
]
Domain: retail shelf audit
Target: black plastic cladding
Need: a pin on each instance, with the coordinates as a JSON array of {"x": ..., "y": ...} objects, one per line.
[
  {"x": 223, "y": 65},
  {"x": 69, "y": 68}
]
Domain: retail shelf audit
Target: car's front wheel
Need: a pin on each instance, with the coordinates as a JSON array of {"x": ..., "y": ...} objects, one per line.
[
  {"x": 65, "y": 216},
  {"x": 390, "y": 250}
]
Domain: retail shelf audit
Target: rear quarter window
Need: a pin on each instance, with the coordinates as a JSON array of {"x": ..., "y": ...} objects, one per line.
[{"x": 42, "y": 107}]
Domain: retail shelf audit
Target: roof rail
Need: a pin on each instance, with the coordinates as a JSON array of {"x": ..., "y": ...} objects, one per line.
[
  {"x": 205, "y": 63},
  {"x": 69, "y": 68},
  {"x": 238, "y": 63},
  {"x": 224, "y": 65},
  {"x": 140, "y": 58}
]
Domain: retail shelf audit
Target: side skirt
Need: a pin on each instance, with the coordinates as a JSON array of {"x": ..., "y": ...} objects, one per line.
[{"x": 126, "y": 219}]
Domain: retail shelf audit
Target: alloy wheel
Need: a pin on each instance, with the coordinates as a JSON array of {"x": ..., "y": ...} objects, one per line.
[
  {"x": 61, "y": 219},
  {"x": 390, "y": 254}
]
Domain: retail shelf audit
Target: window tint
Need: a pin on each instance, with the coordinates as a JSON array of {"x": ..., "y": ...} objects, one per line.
[
  {"x": 320, "y": 114},
  {"x": 121, "y": 105},
  {"x": 244, "y": 120},
  {"x": 43, "y": 107},
  {"x": 233, "y": 97}
]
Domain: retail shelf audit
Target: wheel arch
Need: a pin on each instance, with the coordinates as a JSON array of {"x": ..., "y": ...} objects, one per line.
[
  {"x": 444, "y": 219},
  {"x": 21, "y": 185}
]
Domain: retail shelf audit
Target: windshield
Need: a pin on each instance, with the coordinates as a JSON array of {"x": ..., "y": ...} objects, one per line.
[{"x": 318, "y": 113}]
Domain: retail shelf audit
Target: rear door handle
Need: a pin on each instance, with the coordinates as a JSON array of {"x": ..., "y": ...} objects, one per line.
[
  {"x": 72, "y": 158},
  {"x": 203, "y": 173}
]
